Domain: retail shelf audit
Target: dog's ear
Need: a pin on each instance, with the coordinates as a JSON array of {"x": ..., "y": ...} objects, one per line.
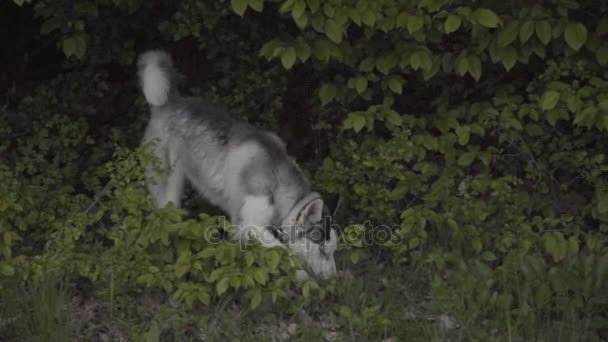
[
  {"x": 332, "y": 203},
  {"x": 312, "y": 213}
]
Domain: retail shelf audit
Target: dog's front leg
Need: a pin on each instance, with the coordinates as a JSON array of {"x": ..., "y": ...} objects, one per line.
[{"x": 255, "y": 216}]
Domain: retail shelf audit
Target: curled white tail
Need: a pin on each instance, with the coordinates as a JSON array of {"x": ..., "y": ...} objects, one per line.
[{"x": 155, "y": 76}]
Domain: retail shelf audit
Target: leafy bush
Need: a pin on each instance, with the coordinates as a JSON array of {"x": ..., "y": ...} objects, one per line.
[{"x": 467, "y": 139}]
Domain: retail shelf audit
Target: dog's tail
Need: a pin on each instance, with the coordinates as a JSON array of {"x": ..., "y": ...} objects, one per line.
[{"x": 156, "y": 77}]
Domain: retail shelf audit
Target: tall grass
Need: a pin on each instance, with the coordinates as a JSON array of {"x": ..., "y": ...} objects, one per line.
[{"x": 40, "y": 313}]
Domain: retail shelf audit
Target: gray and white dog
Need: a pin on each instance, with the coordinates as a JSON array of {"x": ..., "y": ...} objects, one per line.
[{"x": 242, "y": 169}]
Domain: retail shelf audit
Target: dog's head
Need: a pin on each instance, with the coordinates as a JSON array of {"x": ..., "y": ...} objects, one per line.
[{"x": 309, "y": 233}]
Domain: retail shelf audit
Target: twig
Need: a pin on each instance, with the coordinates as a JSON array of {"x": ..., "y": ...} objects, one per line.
[{"x": 98, "y": 196}]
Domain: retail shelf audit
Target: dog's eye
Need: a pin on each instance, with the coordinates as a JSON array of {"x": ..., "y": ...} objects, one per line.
[{"x": 277, "y": 233}]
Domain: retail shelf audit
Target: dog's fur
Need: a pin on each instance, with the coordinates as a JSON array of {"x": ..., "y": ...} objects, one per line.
[{"x": 243, "y": 170}]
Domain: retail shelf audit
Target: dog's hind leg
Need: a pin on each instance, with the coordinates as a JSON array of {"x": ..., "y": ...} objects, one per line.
[
  {"x": 167, "y": 185},
  {"x": 174, "y": 185}
]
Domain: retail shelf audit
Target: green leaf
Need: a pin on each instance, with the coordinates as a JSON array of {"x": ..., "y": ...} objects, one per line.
[
  {"x": 181, "y": 269},
  {"x": 333, "y": 31},
  {"x": 301, "y": 21},
  {"x": 286, "y": 6},
  {"x": 75, "y": 46},
  {"x": 385, "y": 64},
  {"x": 475, "y": 243},
  {"x": 277, "y": 51},
  {"x": 555, "y": 245},
  {"x": 261, "y": 277},
  {"x": 268, "y": 49},
  {"x": 553, "y": 116},
  {"x": 474, "y": 64},
  {"x": 549, "y": 243},
  {"x": 288, "y": 57},
  {"x": 543, "y": 31},
  {"x": 534, "y": 130},
  {"x": 575, "y": 35},
  {"x": 249, "y": 259},
  {"x": 369, "y": 18},
  {"x": 393, "y": 117},
  {"x": 358, "y": 122},
  {"x": 508, "y": 55},
  {"x": 586, "y": 117},
  {"x": 361, "y": 84},
  {"x": 509, "y": 33},
  {"x": 573, "y": 245},
  {"x": 313, "y": 5},
  {"x": 549, "y": 99},
  {"x": 327, "y": 92},
  {"x": 485, "y": 157},
  {"x": 486, "y": 17},
  {"x": 298, "y": 9},
  {"x": 355, "y": 256},
  {"x": 345, "y": 311},
  {"x": 395, "y": 85},
  {"x": 257, "y": 5},
  {"x": 463, "y": 133},
  {"x": 539, "y": 49},
  {"x": 414, "y": 23},
  {"x": 526, "y": 30},
  {"x": 509, "y": 120},
  {"x": 466, "y": 159},
  {"x": 6, "y": 269},
  {"x": 273, "y": 258},
  {"x": 602, "y": 55},
  {"x": 256, "y": 298},
  {"x": 303, "y": 51},
  {"x": 426, "y": 60},
  {"x": 239, "y": 6},
  {"x": 367, "y": 64},
  {"x": 488, "y": 256},
  {"x": 69, "y": 46},
  {"x": 429, "y": 142},
  {"x": 329, "y": 9},
  {"x": 222, "y": 285},
  {"x": 574, "y": 103},
  {"x": 462, "y": 64},
  {"x": 402, "y": 20},
  {"x": 415, "y": 61},
  {"x": 203, "y": 297},
  {"x": 452, "y": 23}
]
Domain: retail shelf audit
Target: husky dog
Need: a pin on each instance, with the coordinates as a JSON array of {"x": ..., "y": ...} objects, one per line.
[{"x": 243, "y": 170}]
